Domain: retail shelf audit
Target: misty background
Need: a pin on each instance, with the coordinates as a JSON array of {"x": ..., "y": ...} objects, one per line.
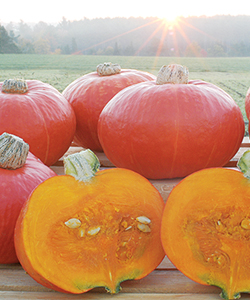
[{"x": 217, "y": 36}]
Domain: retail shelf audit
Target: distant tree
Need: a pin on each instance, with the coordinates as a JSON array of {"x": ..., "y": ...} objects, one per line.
[
  {"x": 73, "y": 45},
  {"x": 203, "y": 53},
  {"x": 26, "y": 46},
  {"x": 129, "y": 50},
  {"x": 98, "y": 52},
  {"x": 25, "y": 31},
  {"x": 239, "y": 49},
  {"x": 66, "y": 49},
  {"x": 109, "y": 51},
  {"x": 216, "y": 51},
  {"x": 64, "y": 24},
  {"x": 193, "y": 50},
  {"x": 42, "y": 46},
  {"x": 7, "y": 44},
  {"x": 13, "y": 36},
  {"x": 58, "y": 51},
  {"x": 117, "y": 49}
]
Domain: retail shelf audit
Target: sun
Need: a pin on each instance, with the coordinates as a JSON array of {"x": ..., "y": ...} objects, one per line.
[{"x": 170, "y": 20}]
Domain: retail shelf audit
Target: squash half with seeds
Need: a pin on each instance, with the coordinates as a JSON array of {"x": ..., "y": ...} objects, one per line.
[
  {"x": 90, "y": 228},
  {"x": 206, "y": 228}
]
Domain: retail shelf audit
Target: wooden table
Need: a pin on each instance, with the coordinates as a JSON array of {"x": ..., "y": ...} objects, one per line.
[{"x": 166, "y": 282}]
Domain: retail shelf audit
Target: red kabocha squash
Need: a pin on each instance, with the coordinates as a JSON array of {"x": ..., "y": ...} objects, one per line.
[
  {"x": 247, "y": 107},
  {"x": 90, "y": 228},
  {"x": 40, "y": 115},
  {"x": 171, "y": 127},
  {"x": 206, "y": 228},
  {"x": 20, "y": 173},
  {"x": 90, "y": 93}
]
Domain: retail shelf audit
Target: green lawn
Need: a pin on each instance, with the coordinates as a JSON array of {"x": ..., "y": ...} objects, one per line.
[{"x": 231, "y": 74}]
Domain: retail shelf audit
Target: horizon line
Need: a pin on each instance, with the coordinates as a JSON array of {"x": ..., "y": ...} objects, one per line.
[{"x": 121, "y": 17}]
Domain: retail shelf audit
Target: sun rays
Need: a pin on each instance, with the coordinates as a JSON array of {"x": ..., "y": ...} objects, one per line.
[{"x": 166, "y": 36}]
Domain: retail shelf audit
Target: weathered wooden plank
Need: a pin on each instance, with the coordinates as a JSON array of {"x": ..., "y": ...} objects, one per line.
[
  {"x": 159, "y": 281},
  {"x": 246, "y": 142},
  {"x": 168, "y": 282},
  {"x": 9, "y": 295},
  {"x": 106, "y": 163},
  {"x": 166, "y": 265}
]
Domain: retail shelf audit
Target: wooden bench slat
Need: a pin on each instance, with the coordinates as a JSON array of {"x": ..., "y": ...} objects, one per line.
[
  {"x": 10, "y": 295},
  {"x": 106, "y": 163},
  {"x": 164, "y": 186},
  {"x": 159, "y": 281}
]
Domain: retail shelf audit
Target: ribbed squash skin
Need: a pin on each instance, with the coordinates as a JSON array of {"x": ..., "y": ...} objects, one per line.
[
  {"x": 206, "y": 229},
  {"x": 42, "y": 117},
  {"x": 247, "y": 107},
  {"x": 170, "y": 130},
  {"x": 15, "y": 188},
  {"x": 74, "y": 260},
  {"x": 90, "y": 93}
]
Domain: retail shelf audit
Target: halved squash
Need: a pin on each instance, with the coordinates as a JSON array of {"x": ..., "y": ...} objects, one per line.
[
  {"x": 206, "y": 228},
  {"x": 90, "y": 229}
]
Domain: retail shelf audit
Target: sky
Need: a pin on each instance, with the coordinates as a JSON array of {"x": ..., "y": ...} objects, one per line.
[{"x": 52, "y": 11}]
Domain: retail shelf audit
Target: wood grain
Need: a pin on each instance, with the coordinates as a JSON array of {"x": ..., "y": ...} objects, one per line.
[{"x": 93, "y": 296}]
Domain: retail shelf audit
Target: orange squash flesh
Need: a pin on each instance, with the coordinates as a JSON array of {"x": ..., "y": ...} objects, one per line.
[
  {"x": 107, "y": 248},
  {"x": 206, "y": 229}
]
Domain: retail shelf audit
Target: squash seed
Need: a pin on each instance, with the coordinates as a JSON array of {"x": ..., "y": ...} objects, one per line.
[
  {"x": 93, "y": 231},
  {"x": 81, "y": 232},
  {"x": 143, "y": 227},
  {"x": 245, "y": 224},
  {"x": 129, "y": 227},
  {"x": 143, "y": 220},
  {"x": 73, "y": 223}
]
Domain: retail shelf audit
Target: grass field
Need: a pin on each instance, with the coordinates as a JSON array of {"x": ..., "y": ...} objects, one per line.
[{"x": 231, "y": 74}]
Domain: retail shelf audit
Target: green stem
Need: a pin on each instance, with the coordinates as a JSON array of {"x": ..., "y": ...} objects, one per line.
[
  {"x": 82, "y": 165},
  {"x": 244, "y": 164}
]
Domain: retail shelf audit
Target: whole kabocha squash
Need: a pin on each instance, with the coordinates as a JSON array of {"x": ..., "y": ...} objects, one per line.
[
  {"x": 170, "y": 127},
  {"x": 247, "y": 107},
  {"x": 90, "y": 228},
  {"x": 20, "y": 173},
  {"x": 90, "y": 93},
  {"x": 40, "y": 115},
  {"x": 206, "y": 228}
]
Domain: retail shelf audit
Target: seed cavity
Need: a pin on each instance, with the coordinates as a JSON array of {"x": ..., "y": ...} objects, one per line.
[
  {"x": 143, "y": 220},
  {"x": 143, "y": 227},
  {"x": 73, "y": 223},
  {"x": 93, "y": 231}
]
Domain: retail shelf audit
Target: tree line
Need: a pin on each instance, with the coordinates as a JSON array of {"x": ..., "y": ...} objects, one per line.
[{"x": 223, "y": 35}]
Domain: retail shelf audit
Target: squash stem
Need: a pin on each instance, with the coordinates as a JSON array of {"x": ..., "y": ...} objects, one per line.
[
  {"x": 244, "y": 164},
  {"x": 82, "y": 165},
  {"x": 173, "y": 73},
  {"x": 15, "y": 86},
  {"x": 107, "y": 69},
  {"x": 13, "y": 151}
]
